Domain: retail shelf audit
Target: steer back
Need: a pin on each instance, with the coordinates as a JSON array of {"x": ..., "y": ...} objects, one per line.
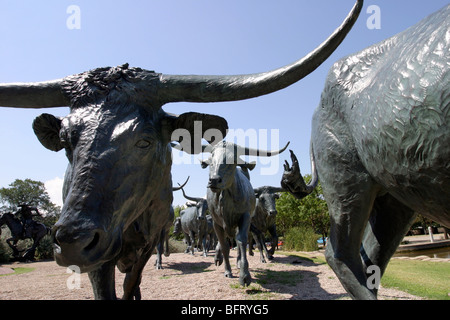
[
  {"x": 380, "y": 145},
  {"x": 390, "y": 104}
]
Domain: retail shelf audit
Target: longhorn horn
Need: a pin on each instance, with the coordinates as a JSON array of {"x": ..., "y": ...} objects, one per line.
[
  {"x": 260, "y": 153},
  {"x": 259, "y": 190},
  {"x": 190, "y": 198},
  {"x": 206, "y": 147},
  {"x": 193, "y": 88},
  {"x": 181, "y": 186},
  {"x": 47, "y": 94},
  {"x": 277, "y": 189}
]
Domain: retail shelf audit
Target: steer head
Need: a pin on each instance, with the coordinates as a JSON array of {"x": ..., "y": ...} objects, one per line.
[
  {"x": 177, "y": 225},
  {"x": 119, "y": 166},
  {"x": 225, "y": 158},
  {"x": 200, "y": 203},
  {"x": 265, "y": 197}
]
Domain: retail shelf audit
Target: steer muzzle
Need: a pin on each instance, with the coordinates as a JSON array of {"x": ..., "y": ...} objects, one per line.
[
  {"x": 86, "y": 248},
  {"x": 215, "y": 183}
]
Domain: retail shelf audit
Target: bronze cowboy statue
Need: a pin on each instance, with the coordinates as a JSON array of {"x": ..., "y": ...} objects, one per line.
[
  {"x": 24, "y": 228},
  {"x": 26, "y": 214}
]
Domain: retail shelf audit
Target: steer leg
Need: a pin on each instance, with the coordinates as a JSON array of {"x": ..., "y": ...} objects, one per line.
[
  {"x": 259, "y": 240},
  {"x": 103, "y": 281},
  {"x": 349, "y": 206},
  {"x": 205, "y": 246},
  {"x": 192, "y": 241},
  {"x": 274, "y": 241},
  {"x": 342, "y": 252},
  {"x": 187, "y": 240},
  {"x": 159, "y": 251},
  {"x": 264, "y": 249},
  {"x": 388, "y": 224},
  {"x": 350, "y": 193},
  {"x": 133, "y": 278},
  {"x": 241, "y": 240},
  {"x": 166, "y": 244},
  {"x": 222, "y": 251}
]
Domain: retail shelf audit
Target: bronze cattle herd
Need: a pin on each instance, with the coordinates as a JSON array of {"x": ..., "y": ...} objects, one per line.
[{"x": 380, "y": 147}]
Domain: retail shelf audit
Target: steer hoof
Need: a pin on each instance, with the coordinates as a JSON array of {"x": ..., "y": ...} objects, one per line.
[
  {"x": 218, "y": 260},
  {"x": 245, "y": 280},
  {"x": 228, "y": 274}
]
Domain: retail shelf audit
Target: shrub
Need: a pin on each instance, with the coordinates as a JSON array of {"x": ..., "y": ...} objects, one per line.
[
  {"x": 301, "y": 239},
  {"x": 176, "y": 246},
  {"x": 44, "y": 250},
  {"x": 4, "y": 252}
]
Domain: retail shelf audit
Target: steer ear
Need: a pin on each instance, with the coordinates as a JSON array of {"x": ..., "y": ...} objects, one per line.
[
  {"x": 204, "y": 163},
  {"x": 47, "y": 127},
  {"x": 189, "y": 128},
  {"x": 246, "y": 165}
]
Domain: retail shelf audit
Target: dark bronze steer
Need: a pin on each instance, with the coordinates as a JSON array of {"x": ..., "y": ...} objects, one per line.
[
  {"x": 381, "y": 148},
  {"x": 264, "y": 220},
  {"x": 231, "y": 201},
  {"x": 194, "y": 224},
  {"x": 118, "y": 188}
]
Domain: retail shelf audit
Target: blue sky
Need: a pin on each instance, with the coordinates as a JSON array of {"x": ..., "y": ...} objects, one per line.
[{"x": 183, "y": 37}]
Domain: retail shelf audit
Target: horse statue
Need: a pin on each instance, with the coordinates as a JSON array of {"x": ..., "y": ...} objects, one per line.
[{"x": 35, "y": 231}]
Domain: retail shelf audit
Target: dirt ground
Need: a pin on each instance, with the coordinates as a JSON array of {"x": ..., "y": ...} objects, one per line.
[{"x": 187, "y": 277}]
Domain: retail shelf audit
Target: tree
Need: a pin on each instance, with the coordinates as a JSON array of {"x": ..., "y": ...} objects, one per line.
[
  {"x": 311, "y": 210},
  {"x": 32, "y": 193}
]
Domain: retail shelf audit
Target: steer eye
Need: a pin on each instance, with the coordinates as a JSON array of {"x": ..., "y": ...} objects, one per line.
[
  {"x": 143, "y": 144},
  {"x": 63, "y": 138}
]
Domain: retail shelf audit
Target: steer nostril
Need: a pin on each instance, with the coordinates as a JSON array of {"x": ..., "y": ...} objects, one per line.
[
  {"x": 55, "y": 234},
  {"x": 215, "y": 180},
  {"x": 93, "y": 243}
]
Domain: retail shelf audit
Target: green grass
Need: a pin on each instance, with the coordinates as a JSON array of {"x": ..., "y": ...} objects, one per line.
[
  {"x": 18, "y": 270},
  {"x": 255, "y": 291},
  {"x": 311, "y": 257},
  {"x": 425, "y": 279},
  {"x": 288, "y": 278}
]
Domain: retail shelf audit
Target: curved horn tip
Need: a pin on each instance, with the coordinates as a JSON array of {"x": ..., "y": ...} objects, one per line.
[
  {"x": 180, "y": 187},
  {"x": 287, "y": 144}
]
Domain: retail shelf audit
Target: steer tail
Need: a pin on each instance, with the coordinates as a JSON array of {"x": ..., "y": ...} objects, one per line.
[{"x": 293, "y": 181}]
